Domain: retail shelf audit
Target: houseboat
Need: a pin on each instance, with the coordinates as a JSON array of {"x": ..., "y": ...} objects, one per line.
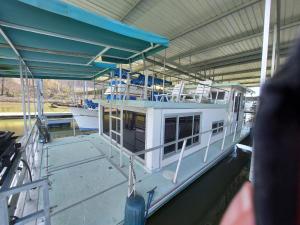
[{"x": 150, "y": 144}]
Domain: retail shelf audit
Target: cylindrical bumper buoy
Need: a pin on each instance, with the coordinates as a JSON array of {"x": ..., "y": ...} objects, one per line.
[{"x": 135, "y": 210}]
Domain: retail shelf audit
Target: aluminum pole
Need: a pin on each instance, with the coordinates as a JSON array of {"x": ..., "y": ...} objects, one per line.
[
  {"x": 23, "y": 97},
  {"x": 274, "y": 50},
  {"x": 28, "y": 97},
  {"x": 278, "y": 15},
  {"x": 264, "y": 59}
]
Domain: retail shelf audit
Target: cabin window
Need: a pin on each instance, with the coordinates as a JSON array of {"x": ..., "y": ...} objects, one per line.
[
  {"x": 170, "y": 134},
  {"x": 221, "y": 95},
  {"x": 196, "y": 129},
  {"x": 185, "y": 130},
  {"x": 179, "y": 127},
  {"x": 134, "y": 129},
  {"x": 105, "y": 121},
  {"x": 217, "y": 127}
]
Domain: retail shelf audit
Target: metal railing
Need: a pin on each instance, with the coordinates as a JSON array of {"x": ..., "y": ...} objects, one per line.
[
  {"x": 122, "y": 92},
  {"x": 13, "y": 186},
  {"x": 237, "y": 125},
  {"x": 6, "y": 194}
]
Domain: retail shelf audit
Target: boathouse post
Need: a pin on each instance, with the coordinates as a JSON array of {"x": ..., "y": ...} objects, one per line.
[{"x": 23, "y": 96}]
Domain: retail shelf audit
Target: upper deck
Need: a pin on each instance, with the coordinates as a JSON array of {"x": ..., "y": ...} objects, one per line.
[{"x": 161, "y": 105}]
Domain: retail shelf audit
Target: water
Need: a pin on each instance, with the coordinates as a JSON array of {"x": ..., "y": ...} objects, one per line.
[
  {"x": 17, "y": 107},
  {"x": 17, "y": 125}
]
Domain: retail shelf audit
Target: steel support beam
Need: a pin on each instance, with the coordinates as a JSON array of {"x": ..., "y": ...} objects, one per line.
[
  {"x": 236, "y": 59},
  {"x": 135, "y": 5},
  {"x": 232, "y": 40},
  {"x": 237, "y": 72},
  {"x": 214, "y": 19}
]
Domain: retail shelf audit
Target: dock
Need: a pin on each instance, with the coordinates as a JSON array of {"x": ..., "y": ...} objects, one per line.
[{"x": 19, "y": 115}]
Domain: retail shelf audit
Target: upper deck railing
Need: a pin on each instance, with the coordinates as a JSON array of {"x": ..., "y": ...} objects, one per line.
[{"x": 200, "y": 93}]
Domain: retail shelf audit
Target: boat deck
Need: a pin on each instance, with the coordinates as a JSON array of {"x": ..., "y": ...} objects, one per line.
[{"x": 88, "y": 187}]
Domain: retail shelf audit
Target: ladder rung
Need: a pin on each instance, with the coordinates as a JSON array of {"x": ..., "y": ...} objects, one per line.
[
  {"x": 115, "y": 132},
  {"x": 115, "y": 117}
]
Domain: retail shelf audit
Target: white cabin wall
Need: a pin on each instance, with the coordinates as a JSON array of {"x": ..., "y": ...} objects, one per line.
[
  {"x": 153, "y": 138},
  {"x": 155, "y": 132}
]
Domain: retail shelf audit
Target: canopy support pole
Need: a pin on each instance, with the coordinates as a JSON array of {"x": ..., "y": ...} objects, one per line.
[
  {"x": 128, "y": 81},
  {"x": 264, "y": 59},
  {"x": 40, "y": 98},
  {"x": 28, "y": 97},
  {"x": 164, "y": 71},
  {"x": 146, "y": 79},
  {"x": 278, "y": 17},
  {"x": 34, "y": 97},
  {"x": 23, "y": 97},
  {"x": 273, "y": 66}
]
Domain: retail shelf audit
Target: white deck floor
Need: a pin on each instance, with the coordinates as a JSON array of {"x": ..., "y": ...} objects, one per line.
[{"x": 87, "y": 187}]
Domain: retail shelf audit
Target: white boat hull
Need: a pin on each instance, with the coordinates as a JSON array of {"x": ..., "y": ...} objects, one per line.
[{"x": 86, "y": 119}]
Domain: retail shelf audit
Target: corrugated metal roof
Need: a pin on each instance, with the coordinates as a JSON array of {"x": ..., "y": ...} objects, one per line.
[{"x": 203, "y": 30}]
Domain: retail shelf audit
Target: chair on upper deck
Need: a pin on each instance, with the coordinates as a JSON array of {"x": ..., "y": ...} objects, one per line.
[
  {"x": 174, "y": 96},
  {"x": 202, "y": 92}
]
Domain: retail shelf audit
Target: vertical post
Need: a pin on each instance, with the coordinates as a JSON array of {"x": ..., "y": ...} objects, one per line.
[
  {"x": 224, "y": 138},
  {"x": 278, "y": 17},
  {"x": 34, "y": 97},
  {"x": 179, "y": 161},
  {"x": 146, "y": 79},
  {"x": 4, "y": 220},
  {"x": 207, "y": 148},
  {"x": 274, "y": 50},
  {"x": 46, "y": 203},
  {"x": 234, "y": 134},
  {"x": 28, "y": 97},
  {"x": 164, "y": 71},
  {"x": 121, "y": 137},
  {"x": 74, "y": 127},
  {"x": 110, "y": 114},
  {"x": 128, "y": 81},
  {"x": 216, "y": 97},
  {"x": 264, "y": 59},
  {"x": 120, "y": 83},
  {"x": 23, "y": 97},
  {"x": 99, "y": 117},
  {"x": 42, "y": 97}
]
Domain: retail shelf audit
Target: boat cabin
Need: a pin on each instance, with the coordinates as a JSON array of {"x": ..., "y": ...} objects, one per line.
[{"x": 161, "y": 126}]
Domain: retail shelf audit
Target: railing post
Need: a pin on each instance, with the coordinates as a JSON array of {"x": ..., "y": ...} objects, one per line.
[
  {"x": 46, "y": 203},
  {"x": 131, "y": 176},
  {"x": 4, "y": 220},
  {"x": 224, "y": 138},
  {"x": 74, "y": 129},
  {"x": 207, "y": 148},
  {"x": 121, "y": 137},
  {"x": 234, "y": 132},
  {"x": 179, "y": 161},
  {"x": 216, "y": 96}
]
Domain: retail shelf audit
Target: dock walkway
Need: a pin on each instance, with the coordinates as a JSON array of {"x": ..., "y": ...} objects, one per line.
[{"x": 87, "y": 187}]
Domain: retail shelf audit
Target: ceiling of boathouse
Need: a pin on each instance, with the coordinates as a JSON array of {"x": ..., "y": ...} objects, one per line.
[{"x": 209, "y": 39}]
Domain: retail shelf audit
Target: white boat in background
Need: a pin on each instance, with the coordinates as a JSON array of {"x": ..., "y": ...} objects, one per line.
[{"x": 86, "y": 118}]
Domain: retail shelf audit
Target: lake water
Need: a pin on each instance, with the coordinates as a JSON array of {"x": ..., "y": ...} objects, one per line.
[{"x": 17, "y": 125}]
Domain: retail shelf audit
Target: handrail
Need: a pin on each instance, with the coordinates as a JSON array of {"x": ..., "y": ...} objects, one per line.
[
  {"x": 5, "y": 194},
  {"x": 179, "y": 140}
]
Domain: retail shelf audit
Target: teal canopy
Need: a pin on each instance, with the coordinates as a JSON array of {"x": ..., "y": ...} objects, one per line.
[{"x": 59, "y": 41}]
